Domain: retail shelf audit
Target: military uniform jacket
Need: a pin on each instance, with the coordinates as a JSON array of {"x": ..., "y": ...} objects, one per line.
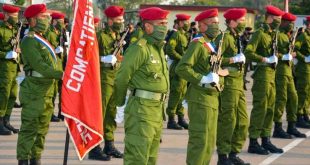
[
  {"x": 176, "y": 45},
  {"x": 36, "y": 57},
  {"x": 6, "y": 37},
  {"x": 302, "y": 47},
  {"x": 144, "y": 67},
  {"x": 284, "y": 67},
  {"x": 192, "y": 67},
  {"x": 260, "y": 46},
  {"x": 229, "y": 49},
  {"x": 106, "y": 43},
  {"x": 137, "y": 34}
]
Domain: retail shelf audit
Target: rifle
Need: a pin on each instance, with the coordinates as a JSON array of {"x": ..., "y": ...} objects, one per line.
[
  {"x": 240, "y": 50},
  {"x": 15, "y": 41},
  {"x": 275, "y": 48},
  {"x": 119, "y": 45},
  {"x": 292, "y": 42},
  {"x": 216, "y": 61}
]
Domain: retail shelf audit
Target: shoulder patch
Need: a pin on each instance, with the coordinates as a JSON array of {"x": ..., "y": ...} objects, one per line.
[{"x": 142, "y": 42}]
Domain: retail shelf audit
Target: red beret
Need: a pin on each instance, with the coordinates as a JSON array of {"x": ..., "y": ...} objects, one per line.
[
  {"x": 308, "y": 18},
  {"x": 207, "y": 14},
  {"x": 274, "y": 10},
  {"x": 96, "y": 20},
  {"x": 114, "y": 11},
  {"x": 10, "y": 9},
  {"x": 289, "y": 17},
  {"x": 234, "y": 14},
  {"x": 1, "y": 16},
  {"x": 57, "y": 15},
  {"x": 34, "y": 10},
  {"x": 183, "y": 17},
  {"x": 153, "y": 13}
]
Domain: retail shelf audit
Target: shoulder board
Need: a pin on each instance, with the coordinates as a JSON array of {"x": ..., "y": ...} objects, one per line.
[
  {"x": 198, "y": 39},
  {"x": 142, "y": 42}
]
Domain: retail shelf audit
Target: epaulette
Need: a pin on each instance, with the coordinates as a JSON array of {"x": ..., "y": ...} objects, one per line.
[{"x": 141, "y": 42}]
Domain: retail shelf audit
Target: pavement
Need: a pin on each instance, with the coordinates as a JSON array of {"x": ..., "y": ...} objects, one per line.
[{"x": 172, "y": 150}]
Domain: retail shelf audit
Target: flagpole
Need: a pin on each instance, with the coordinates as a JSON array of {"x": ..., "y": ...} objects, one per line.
[{"x": 66, "y": 148}]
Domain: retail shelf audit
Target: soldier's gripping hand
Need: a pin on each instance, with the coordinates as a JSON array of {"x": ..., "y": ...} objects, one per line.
[
  {"x": 11, "y": 55},
  {"x": 271, "y": 60},
  {"x": 287, "y": 57},
  {"x": 210, "y": 78},
  {"x": 239, "y": 58},
  {"x": 111, "y": 59},
  {"x": 307, "y": 59},
  {"x": 59, "y": 49}
]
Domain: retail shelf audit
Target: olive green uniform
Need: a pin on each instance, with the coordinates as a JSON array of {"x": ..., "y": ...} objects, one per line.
[
  {"x": 203, "y": 103},
  {"x": 286, "y": 94},
  {"x": 106, "y": 41},
  {"x": 144, "y": 68},
  {"x": 36, "y": 92},
  {"x": 263, "y": 89},
  {"x": 175, "y": 49},
  {"x": 302, "y": 47},
  {"x": 137, "y": 34},
  {"x": 233, "y": 119},
  {"x": 8, "y": 71}
]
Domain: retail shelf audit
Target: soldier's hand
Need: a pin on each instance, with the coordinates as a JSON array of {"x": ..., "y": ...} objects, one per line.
[
  {"x": 307, "y": 59},
  {"x": 287, "y": 57},
  {"x": 11, "y": 55},
  {"x": 110, "y": 59},
  {"x": 210, "y": 78},
  {"x": 18, "y": 50},
  {"x": 59, "y": 49},
  {"x": 239, "y": 58},
  {"x": 271, "y": 59},
  {"x": 294, "y": 54},
  {"x": 119, "y": 57}
]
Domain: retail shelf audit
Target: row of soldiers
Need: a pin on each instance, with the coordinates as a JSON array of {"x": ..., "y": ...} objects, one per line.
[{"x": 217, "y": 115}]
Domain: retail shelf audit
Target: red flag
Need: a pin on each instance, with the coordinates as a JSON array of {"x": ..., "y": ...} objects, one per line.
[{"x": 81, "y": 93}]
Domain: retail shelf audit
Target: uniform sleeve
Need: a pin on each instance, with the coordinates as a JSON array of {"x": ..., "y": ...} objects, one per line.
[
  {"x": 250, "y": 50},
  {"x": 2, "y": 53},
  {"x": 134, "y": 57},
  {"x": 298, "y": 44},
  {"x": 171, "y": 45},
  {"x": 281, "y": 46},
  {"x": 101, "y": 44},
  {"x": 36, "y": 62},
  {"x": 185, "y": 67}
]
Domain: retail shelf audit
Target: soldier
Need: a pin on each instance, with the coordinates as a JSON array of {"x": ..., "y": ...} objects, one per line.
[
  {"x": 8, "y": 67},
  {"x": 54, "y": 35},
  {"x": 144, "y": 71},
  {"x": 1, "y": 18},
  {"x": 96, "y": 24},
  {"x": 302, "y": 47},
  {"x": 233, "y": 118},
  {"x": 137, "y": 33},
  {"x": 37, "y": 89},
  {"x": 109, "y": 65},
  {"x": 202, "y": 97},
  {"x": 262, "y": 49},
  {"x": 175, "y": 49},
  {"x": 286, "y": 97}
]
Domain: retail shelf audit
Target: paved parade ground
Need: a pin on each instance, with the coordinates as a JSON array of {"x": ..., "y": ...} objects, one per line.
[{"x": 172, "y": 150}]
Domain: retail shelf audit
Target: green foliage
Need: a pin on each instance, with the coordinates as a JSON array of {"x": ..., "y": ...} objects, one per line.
[{"x": 18, "y": 2}]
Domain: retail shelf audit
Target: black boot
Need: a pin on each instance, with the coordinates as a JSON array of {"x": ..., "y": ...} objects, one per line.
[
  {"x": 97, "y": 154},
  {"x": 23, "y": 162},
  {"x": 291, "y": 129},
  {"x": 3, "y": 129},
  {"x": 182, "y": 122},
  {"x": 54, "y": 119},
  {"x": 35, "y": 161},
  {"x": 255, "y": 148},
  {"x": 236, "y": 160},
  {"x": 306, "y": 118},
  {"x": 223, "y": 160},
  {"x": 267, "y": 145},
  {"x": 7, "y": 124},
  {"x": 301, "y": 123},
  {"x": 110, "y": 150},
  {"x": 172, "y": 124},
  {"x": 278, "y": 132}
]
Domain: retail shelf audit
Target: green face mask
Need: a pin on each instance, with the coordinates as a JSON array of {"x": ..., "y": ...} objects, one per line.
[
  {"x": 41, "y": 25},
  {"x": 159, "y": 32},
  {"x": 212, "y": 31},
  {"x": 287, "y": 27},
  {"x": 275, "y": 24},
  {"x": 13, "y": 20},
  {"x": 60, "y": 25},
  {"x": 186, "y": 27},
  {"x": 240, "y": 28},
  {"x": 117, "y": 27}
]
